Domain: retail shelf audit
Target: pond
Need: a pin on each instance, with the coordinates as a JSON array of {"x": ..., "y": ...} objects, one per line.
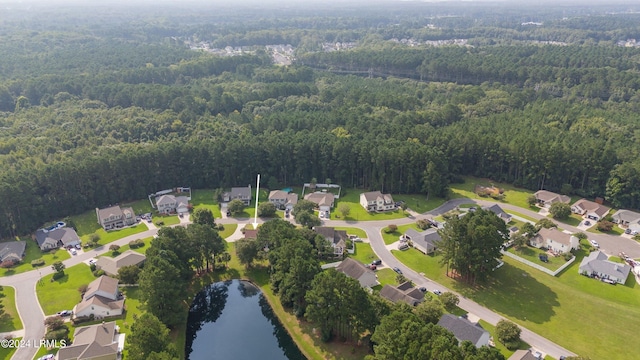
[{"x": 233, "y": 320}]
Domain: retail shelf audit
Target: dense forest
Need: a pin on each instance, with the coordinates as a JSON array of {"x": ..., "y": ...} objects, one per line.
[{"x": 101, "y": 107}]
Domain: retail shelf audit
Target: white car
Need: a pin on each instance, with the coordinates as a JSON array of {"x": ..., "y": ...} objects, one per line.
[
  {"x": 594, "y": 243},
  {"x": 47, "y": 357}
]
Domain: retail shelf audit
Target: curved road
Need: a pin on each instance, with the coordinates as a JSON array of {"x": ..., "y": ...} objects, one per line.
[{"x": 31, "y": 314}]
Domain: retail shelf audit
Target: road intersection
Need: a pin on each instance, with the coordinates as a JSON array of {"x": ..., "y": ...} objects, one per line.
[{"x": 32, "y": 317}]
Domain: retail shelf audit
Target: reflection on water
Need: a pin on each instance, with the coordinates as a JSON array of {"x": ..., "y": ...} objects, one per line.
[{"x": 236, "y": 322}]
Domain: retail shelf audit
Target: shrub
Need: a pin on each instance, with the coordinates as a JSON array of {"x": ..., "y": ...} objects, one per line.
[
  {"x": 37, "y": 262},
  {"x": 568, "y": 256},
  {"x": 58, "y": 275},
  {"x": 159, "y": 223},
  {"x": 60, "y": 334},
  {"x": 423, "y": 224},
  {"x": 136, "y": 244},
  {"x": 508, "y": 333},
  {"x": 391, "y": 229},
  {"x": 605, "y": 226},
  {"x": 220, "y": 227},
  {"x": 98, "y": 273},
  {"x": 54, "y": 323},
  {"x": 83, "y": 288}
]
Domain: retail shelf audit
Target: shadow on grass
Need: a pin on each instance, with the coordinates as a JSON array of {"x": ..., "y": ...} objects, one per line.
[
  {"x": 61, "y": 280},
  {"x": 6, "y": 322},
  {"x": 534, "y": 302}
]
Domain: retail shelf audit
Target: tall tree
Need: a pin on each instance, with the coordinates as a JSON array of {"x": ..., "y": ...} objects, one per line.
[
  {"x": 203, "y": 216},
  {"x": 149, "y": 335},
  {"x": 560, "y": 210},
  {"x": 163, "y": 289}
]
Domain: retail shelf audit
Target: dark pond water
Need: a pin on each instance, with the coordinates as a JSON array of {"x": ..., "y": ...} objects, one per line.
[{"x": 232, "y": 320}]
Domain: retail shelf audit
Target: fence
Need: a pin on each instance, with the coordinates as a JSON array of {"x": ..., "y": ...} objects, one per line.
[{"x": 537, "y": 266}]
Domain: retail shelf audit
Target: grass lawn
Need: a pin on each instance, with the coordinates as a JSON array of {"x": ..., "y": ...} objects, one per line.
[
  {"x": 33, "y": 252},
  {"x": 616, "y": 230},
  {"x": 63, "y": 294},
  {"x": 390, "y": 238},
  {"x": 351, "y": 197},
  {"x": 43, "y": 350},
  {"x": 579, "y": 313},
  {"x": 498, "y": 345},
  {"x": 141, "y": 250},
  {"x": 203, "y": 198},
  {"x": 364, "y": 253},
  {"x": 111, "y": 236},
  {"x": 419, "y": 202},
  {"x": 516, "y": 223},
  {"x": 531, "y": 254},
  {"x": 87, "y": 222},
  {"x": 512, "y": 195},
  {"x": 573, "y": 219},
  {"x": 7, "y": 352},
  {"x": 167, "y": 219},
  {"x": 229, "y": 229},
  {"x": 10, "y": 320},
  {"x": 386, "y": 276},
  {"x": 526, "y": 217},
  {"x": 353, "y": 231}
]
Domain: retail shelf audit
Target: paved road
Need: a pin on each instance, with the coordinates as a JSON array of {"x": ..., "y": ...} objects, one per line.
[{"x": 31, "y": 313}]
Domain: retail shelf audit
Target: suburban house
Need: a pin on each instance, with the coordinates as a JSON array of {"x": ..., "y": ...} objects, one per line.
[
  {"x": 496, "y": 209},
  {"x": 251, "y": 234},
  {"x": 627, "y": 218},
  {"x": 240, "y": 193},
  {"x": 101, "y": 299},
  {"x": 12, "y": 252},
  {"x": 356, "y": 270},
  {"x": 425, "y": 241},
  {"x": 546, "y": 198},
  {"x": 465, "y": 330},
  {"x": 324, "y": 200},
  {"x": 169, "y": 204},
  {"x": 110, "y": 266},
  {"x": 598, "y": 265},
  {"x": 522, "y": 355},
  {"x": 337, "y": 238},
  {"x": 115, "y": 217},
  {"x": 48, "y": 240},
  {"x": 555, "y": 240},
  {"x": 377, "y": 201},
  {"x": 592, "y": 210},
  {"x": 100, "y": 341},
  {"x": 282, "y": 199},
  {"x": 404, "y": 292}
]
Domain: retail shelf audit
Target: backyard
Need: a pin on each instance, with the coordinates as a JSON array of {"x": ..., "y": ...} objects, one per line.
[
  {"x": 351, "y": 197},
  {"x": 109, "y": 236},
  {"x": 579, "y": 313},
  {"x": 531, "y": 254},
  {"x": 364, "y": 253},
  {"x": 204, "y": 198},
  {"x": 512, "y": 195},
  {"x": 62, "y": 294},
  {"x": 33, "y": 252}
]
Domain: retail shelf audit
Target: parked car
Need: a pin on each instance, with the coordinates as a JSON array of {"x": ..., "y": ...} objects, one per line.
[
  {"x": 397, "y": 270},
  {"x": 64, "y": 313},
  {"x": 587, "y": 223},
  {"x": 628, "y": 231},
  {"x": 538, "y": 355},
  {"x": 92, "y": 261},
  {"x": 47, "y": 357},
  {"x": 74, "y": 252},
  {"x": 376, "y": 262},
  {"x": 437, "y": 292},
  {"x": 423, "y": 289},
  {"x": 594, "y": 243},
  {"x": 78, "y": 246},
  {"x": 373, "y": 267}
]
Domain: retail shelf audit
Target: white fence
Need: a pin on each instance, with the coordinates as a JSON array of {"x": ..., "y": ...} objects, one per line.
[{"x": 538, "y": 266}]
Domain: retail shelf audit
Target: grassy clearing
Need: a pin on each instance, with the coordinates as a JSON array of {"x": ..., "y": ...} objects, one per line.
[
  {"x": 579, "y": 313},
  {"x": 616, "y": 230},
  {"x": 419, "y": 202},
  {"x": 351, "y": 197},
  {"x": 531, "y": 254},
  {"x": 386, "y": 276},
  {"x": 10, "y": 320},
  {"x": 512, "y": 195},
  {"x": 33, "y": 252},
  {"x": 63, "y": 294},
  {"x": 107, "y": 237},
  {"x": 572, "y": 220},
  {"x": 167, "y": 220},
  {"x": 203, "y": 198},
  {"x": 229, "y": 229},
  {"x": 364, "y": 253},
  {"x": 141, "y": 250},
  {"x": 353, "y": 231},
  {"x": 390, "y": 238},
  {"x": 526, "y": 217},
  {"x": 498, "y": 345}
]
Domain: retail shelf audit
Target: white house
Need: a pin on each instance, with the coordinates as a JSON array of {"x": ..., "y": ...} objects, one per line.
[
  {"x": 377, "y": 201},
  {"x": 356, "y": 270},
  {"x": 168, "y": 204},
  {"x": 598, "y": 265},
  {"x": 627, "y": 218},
  {"x": 101, "y": 299},
  {"x": 241, "y": 193},
  {"x": 555, "y": 240},
  {"x": 592, "y": 210},
  {"x": 282, "y": 199}
]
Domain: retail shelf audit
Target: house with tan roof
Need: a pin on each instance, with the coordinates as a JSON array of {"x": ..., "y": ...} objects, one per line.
[
  {"x": 282, "y": 199},
  {"x": 546, "y": 198},
  {"x": 404, "y": 292},
  {"x": 377, "y": 201},
  {"x": 324, "y": 200},
  {"x": 357, "y": 270},
  {"x": 115, "y": 217},
  {"x": 555, "y": 240},
  {"x": 337, "y": 238},
  {"x": 94, "y": 342},
  {"x": 592, "y": 210},
  {"x": 110, "y": 266},
  {"x": 101, "y": 299}
]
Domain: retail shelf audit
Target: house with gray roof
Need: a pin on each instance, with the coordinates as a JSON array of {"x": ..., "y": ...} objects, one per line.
[
  {"x": 465, "y": 330},
  {"x": 496, "y": 209},
  {"x": 324, "y": 200},
  {"x": 98, "y": 341},
  {"x": 115, "y": 217},
  {"x": 240, "y": 193},
  {"x": 170, "y": 204},
  {"x": 12, "y": 251},
  {"x": 377, "y": 201},
  {"x": 405, "y": 292},
  {"x": 337, "y": 238},
  {"x": 546, "y": 198},
  {"x": 48, "y": 240},
  {"x": 627, "y": 218},
  {"x": 356, "y": 270},
  {"x": 110, "y": 265},
  {"x": 592, "y": 210},
  {"x": 424, "y": 241},
  {"x": 282, "y": 199},
  {"x": 597, "y": 264}
]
